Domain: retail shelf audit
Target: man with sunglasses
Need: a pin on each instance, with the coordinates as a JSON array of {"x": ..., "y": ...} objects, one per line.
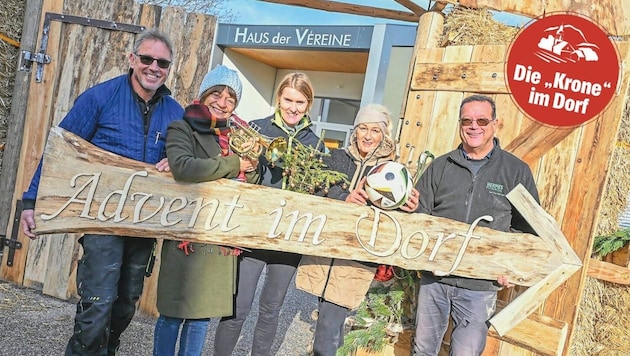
[
  {"x": 463, "y": 185},
  {"x": 127, "y": 115}
]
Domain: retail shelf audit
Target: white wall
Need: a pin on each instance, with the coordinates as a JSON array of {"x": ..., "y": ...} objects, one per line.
[
  {"x": 332, "y": 84},
  {"x": 258, "y": 85},
  {"x": 260, "y": 81}
]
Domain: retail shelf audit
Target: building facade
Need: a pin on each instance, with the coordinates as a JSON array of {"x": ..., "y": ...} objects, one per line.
[{"x": 350, "y": 66}]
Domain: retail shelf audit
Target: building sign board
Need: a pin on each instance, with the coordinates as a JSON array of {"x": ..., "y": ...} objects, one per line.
[{"x": 316, "y": 37}]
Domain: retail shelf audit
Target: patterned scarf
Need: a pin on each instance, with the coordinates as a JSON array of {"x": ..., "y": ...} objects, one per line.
[{"x": 197, "y": 116}]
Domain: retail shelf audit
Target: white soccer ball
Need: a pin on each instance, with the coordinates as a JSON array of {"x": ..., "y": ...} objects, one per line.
[{"x": 388, "y": 185}]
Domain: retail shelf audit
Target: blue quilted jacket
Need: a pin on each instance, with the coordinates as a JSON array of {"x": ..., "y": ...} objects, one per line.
[{"x": 110, "y": 115}]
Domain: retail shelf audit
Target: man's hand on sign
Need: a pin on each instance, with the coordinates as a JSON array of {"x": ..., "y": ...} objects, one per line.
[
  {"x": 505, "y": 282},
  {"x": 27, "y": 220}
]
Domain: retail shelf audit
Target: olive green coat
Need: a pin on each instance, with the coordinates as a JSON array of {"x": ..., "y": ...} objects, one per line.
[{"x": 201, "y": 284}]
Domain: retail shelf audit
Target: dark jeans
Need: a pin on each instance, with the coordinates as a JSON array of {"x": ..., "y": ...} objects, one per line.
[
  {"x": 280, "y": 270},
  {"x": 329, "y": 329},
  {"x": 110, "y": 278}
]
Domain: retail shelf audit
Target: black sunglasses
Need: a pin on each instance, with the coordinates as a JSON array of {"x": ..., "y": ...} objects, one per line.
[
  {"x": 480, "y": 122},
  {"x": 148, "y": 60}
]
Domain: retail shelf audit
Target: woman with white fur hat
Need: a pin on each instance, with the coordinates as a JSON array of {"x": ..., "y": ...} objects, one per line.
[
  {"x": 341, "y": 285},
  {"x": 198, "y": 281}
]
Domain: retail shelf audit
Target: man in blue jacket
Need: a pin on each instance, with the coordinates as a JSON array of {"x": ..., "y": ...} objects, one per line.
[
  {"x": 127, "y": 115},
  {"x": 462, "y": 185}
]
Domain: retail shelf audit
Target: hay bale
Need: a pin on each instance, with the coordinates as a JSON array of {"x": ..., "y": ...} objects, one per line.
[
  {"x": 603, "y": 320},
  {"x": 618, "y": 186},
  {"x": 464, "y": 26},
  {"x": 11, "y": 19}
]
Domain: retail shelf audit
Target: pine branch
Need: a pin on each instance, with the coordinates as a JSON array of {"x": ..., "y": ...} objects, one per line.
[
  {"x": 305, "y": 171},
  {"x": 607, "y": 244}
]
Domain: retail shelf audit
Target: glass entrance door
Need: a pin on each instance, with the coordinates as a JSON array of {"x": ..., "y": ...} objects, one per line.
[{"x": 333, "y": 120}]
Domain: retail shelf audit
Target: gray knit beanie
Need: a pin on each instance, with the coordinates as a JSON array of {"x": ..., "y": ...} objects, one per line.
[
  {"x": 373, "y": 113},
  {"x": 222, "y": 75}
]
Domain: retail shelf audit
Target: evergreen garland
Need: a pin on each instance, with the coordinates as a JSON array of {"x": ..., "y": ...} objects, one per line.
[{"x": 606, "y": 244}]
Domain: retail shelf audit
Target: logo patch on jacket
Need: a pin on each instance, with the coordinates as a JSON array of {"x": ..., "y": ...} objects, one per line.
[{"x": 495, "y": 188}]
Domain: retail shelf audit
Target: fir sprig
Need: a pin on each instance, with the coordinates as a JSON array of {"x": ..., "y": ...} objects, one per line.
[
  {"x": 606, "y": 244},
  {"x": 305, "y": 171}
]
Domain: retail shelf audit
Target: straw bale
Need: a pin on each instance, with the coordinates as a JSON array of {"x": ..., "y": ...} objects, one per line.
[
  {"x": 618, "y": 185},
  {"x": 464, "y": 26},
  {"x": 603, "y": 321},
  {"x": 11, "y": 19}
]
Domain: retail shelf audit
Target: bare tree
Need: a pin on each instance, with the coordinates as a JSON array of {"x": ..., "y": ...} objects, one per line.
[{"x": 219, "y": 8}]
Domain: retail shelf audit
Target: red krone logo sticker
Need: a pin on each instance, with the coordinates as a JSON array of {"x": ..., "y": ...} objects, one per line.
[{"x": 562, "y": 70}]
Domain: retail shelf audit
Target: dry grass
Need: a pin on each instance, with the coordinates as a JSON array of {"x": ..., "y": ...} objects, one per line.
[
  {"x": 11, "y": 20},
  {"x": 465, "y": 26},
  {"x": 603, "y": 321}
]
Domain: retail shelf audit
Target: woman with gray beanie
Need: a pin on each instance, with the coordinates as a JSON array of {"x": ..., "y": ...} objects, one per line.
[{"x": 198, "y": 281}]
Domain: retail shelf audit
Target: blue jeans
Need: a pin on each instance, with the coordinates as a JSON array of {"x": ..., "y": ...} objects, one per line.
[
  {"x": 281, "y": 267},
  {"x": 469, "y": 309},
  {"x": 191, "y": 340},
  {"x": 110, "y": 279}
]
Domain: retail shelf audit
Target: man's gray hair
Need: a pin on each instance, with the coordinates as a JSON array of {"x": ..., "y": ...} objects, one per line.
[{"x": 156, "y": 35}]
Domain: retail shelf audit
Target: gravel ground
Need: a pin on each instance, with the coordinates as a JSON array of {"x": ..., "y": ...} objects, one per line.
[{"x": 35, "y": 324}]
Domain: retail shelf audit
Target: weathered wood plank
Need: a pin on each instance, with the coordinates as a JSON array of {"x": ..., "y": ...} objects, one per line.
[
  {"x": 535, "y": 140},
  {"x": 148, "y": 299},
  {"x": 16, "y": 125},
  {"x": 444, "y": 135},
  {"x": 37, "y": 116},
  {"x": 194, "y": 36},
  {"x": 61, "y": 262},
  {"x": 552, "y": 187},
  {"x": 537, "y": 333},
  {"x": 587, "y": 183},
  {"x": 237, "y": 217},
  {"x": 608, "y": 272},
  {"x": 347, "y": 8},
  {"x": 479, "y": 77},
  {"x": 417, "y": 113}
]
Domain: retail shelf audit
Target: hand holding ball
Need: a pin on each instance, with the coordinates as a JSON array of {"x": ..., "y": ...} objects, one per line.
[{"x": 388, "y": 185}]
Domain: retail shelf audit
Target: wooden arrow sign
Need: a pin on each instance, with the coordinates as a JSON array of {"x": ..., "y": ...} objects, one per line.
[{"x": 87, "y": 190}]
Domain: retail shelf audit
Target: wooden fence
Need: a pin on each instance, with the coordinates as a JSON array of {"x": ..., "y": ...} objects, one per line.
[{"x": 88, "y": 41}]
